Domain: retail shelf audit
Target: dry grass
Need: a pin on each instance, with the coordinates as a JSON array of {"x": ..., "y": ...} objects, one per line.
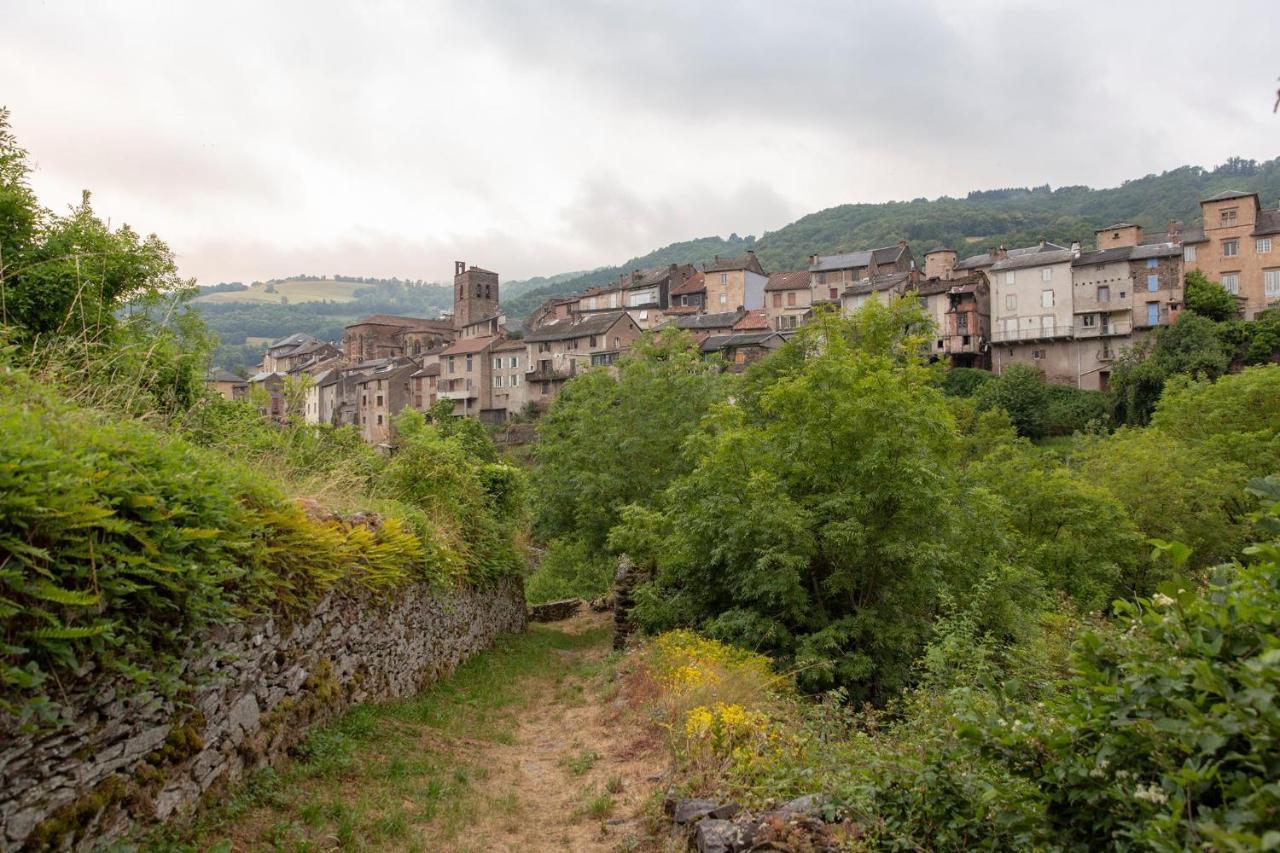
[{"x": 297, "y": 291}]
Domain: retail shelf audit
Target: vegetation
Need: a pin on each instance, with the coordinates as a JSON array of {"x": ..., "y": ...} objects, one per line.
[{"x": 138, "y": 508}]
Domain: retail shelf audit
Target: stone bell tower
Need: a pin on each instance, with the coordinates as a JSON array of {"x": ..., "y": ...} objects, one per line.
[{"x": 475, "y": 294}]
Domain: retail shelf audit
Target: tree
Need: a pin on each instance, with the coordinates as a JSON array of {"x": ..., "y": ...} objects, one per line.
[
  {"x": 1208, "y": 298},
  {"x": 611, "y": 440},
  {"x": 1021, "y": 391},
  {"x": 1190, "y": 347}
]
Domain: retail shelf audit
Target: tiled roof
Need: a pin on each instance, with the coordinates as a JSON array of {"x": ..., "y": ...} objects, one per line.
[
  {"x": 723, "y": 320},
  {"x": 1155, "y": 250},
  {"x": 295, "y": 340},
  {"x": 745, "y": 262},
  {"x": 509, "y": 345},
  {"x": 877, "y": 284},
  {"x": 1227, "y": 195},
  {"x": 218, "y": 375},
  {"x": 853, "y": 260},
  {"x": 1268, "y": 222},
  {"x": 1194, "y": 235},
  {"x": 1104, "y": 256},
  {"x": 470, "y": 345},
  {"x": 986, "y": 259},
  {"x": 696, "y": 283},
  {"x": 739, "y": 339},
  {"x": 564, "y": 328},
  {"x": 674, "y": 310},
  {"x": 1035, "y": 256},
  {"x": 752, "y": 321},
  {"x": 794, "y": 280},
  {"x": 429, "y": 370}
]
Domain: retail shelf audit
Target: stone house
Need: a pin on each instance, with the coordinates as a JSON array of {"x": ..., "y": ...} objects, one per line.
[
  {"x": 787, "y": 298},
  {"x": 561, "y": 349},
  {"x": 830, "y": 275},
  {"x": 597, "y": 299},
  {"x": 1156, "y": 269},
  {"x": 733, "y": 283},
  {"x": 508, "y": 367},
  {"x": 423, "y": 385},
  {"x": 740, "y": 349},
  {"x": 702, "y": 325},
  {"x": 465, "y": 376},
  {"x": 881, "y": 288},
  {"x": 556, "y": 308},
  {"x": 690, "y": 297},
  {"x": 1102, "y": 308},
  {"x": 646, "y": 293},
  {"x": 272, "y": 384},
  {"x": 226, "y": 384},
  {"x": 960, "y": 308},
  {"x": 382, "y": 393},
  {"x": 1032, "y": 313},
  {"x": 1238, "y": 246},
  {"x": 295, "y": 351}
]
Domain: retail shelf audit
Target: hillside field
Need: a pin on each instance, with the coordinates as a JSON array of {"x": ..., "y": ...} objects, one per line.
[{"x": 295, "y": 289}]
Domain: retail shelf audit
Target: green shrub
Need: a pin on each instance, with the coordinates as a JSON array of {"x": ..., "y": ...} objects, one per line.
[
  {"x": 570, "y": 569},
  {"x": 1069, "y": 410},
  {"x": 964, "y": 381},
  {"x": 1022, "y": 392}
]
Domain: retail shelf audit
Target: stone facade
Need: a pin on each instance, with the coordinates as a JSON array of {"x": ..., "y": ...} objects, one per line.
[{"x": 135, "y": 759}]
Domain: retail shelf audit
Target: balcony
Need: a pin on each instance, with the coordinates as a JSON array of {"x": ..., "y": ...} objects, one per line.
[
  {"x": 544, "y": 372},
  {"x": 459, "y": 394},
  {"x": 1038, "y": 333},
  {"x": 1104, "y": 330}
]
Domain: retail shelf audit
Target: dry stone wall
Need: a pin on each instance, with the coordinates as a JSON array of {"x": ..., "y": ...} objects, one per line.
[{"x": 128, "y": 758}]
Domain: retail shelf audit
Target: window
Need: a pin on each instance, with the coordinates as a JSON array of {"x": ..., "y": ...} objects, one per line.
[
  {"x": 724, "y": 278},
  {"x": 1263, "y": 246},
  {"x": 1229, "y": 216},
  {"x": 1008, "y": 278},
  {"x": 468, "y": 364},
  {"x": 515, "y": 380},
  {"x": 1011, "y": 302},
  {"x": 1153, "y": 313},
  {"x": 497, "y": 362},
  {"x": 791, "y": 297},
  {"x": 834, "y": 292},
  {"x": 1271, "y": 282},
  {"x": 1189, "y": 254},
  {"x": 1046, "y": 274},
  {"x": 379, "y": 420},
  {"x": 822, "y": 278},
  {"x": 1230, "y": 248},
  {"x": 1231, "y": 281},
  {"x": 497, "y": 381},
  {"x": 593, "y": 343},
  {"x": 1153, "y": 283},
  {"x": 1151, "y": 263},
  {"x": 1037, "y": 354},
  {"x": 1046, "y": 324},
  {"x": 364, "y": 399},
  {"x": 1090, "y": 321},
  {"x": 939, "y": 343},
  {"x": 777, "y": 300},
  {"x": 724, "y": 298},
  {"x": 644, "y": 315},
  {"x": 1104, "y": 293},
  {"x": 379, "y": 403},
  {"x": 1046, "y": 299}
]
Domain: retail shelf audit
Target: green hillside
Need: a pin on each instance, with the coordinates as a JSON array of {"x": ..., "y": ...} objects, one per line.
[
  {"x": 1013, "y": 216},
  {"x": 288, "y": 291}
]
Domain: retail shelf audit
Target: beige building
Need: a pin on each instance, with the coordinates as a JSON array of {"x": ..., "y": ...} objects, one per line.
[
  {"x": 881, "y": 288},
  {"x": 561, "y": 349},
  {"x": 733, "y": 283},
  {"x": 1032, "y": 313},
  {"x": 1238, "y": 247},
  {"x": 226, "y": 384},
  {"x": 787, "y": 298},
  {"x": 508, "y": 365}
]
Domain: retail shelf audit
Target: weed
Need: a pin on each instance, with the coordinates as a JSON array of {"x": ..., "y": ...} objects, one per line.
[{"x": 582, "y": 762}]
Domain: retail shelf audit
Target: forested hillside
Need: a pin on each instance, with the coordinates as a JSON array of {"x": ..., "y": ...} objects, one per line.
[{"x": 1013, "y": 216}]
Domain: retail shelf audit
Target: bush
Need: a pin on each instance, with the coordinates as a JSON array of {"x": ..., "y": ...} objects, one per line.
[
  {"x": 570, "y": 569},
  {"x": 1022, "y": 392},
  {"x": 964, "y": 381},
  {"x": 1208, "y": 298},
  {"x": 1069, "y": 410}
]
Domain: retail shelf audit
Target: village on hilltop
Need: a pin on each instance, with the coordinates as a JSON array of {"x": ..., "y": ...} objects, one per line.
[{"x": 1068, "y": 311}]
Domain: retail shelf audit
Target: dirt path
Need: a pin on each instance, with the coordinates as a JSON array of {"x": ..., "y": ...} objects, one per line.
[
  {"x": 525, "y": 748},
  {"x": 579, "y": 772}
]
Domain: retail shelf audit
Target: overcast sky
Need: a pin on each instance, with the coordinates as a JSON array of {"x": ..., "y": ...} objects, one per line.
[{"x": 390, "y": 138}]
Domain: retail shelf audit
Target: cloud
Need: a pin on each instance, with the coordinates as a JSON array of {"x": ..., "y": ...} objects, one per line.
[{"x": 393, "y": 137}]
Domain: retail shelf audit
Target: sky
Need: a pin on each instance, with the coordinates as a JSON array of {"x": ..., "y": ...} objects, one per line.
[{"x": 269, "y": 138}]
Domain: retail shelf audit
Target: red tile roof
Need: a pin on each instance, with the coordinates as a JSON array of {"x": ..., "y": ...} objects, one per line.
[
  {"x": 752, "y": 321},
  {"x": 696, "y": 283},
  {"x": 470, "y": 345},
  {"x": 680, "y": 309},
  {"x": 794, "y": 280}
]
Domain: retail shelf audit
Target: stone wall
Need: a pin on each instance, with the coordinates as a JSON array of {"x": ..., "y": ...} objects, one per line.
[{"x": 135, "y": 759}]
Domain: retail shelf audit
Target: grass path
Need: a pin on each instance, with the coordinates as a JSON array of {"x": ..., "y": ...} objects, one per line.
[{"x": 525, "y": 748}]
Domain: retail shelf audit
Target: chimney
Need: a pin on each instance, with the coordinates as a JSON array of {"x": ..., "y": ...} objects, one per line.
[
  {"x": 459, "y": 267},
  {"x": 902, "y": 244},
  {"x": 999, "y": 253},
  {"x": 1175, "y": 231},
  {"x": 813, "y": 260},
  {"x": 1075, "y": 248}
]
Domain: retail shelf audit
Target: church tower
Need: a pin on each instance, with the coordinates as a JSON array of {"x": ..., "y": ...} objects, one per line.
[{"x": 475, "y": 294}]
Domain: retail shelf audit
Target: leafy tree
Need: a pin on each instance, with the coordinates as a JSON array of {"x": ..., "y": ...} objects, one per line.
[
  {"x": 610, "y": 440},
  {"x": 1191, "y": 347},
  {"x": 965, "y": 381},
  {"x": 1022, "y": 392},
  {"x": 1208, "y": 298}
]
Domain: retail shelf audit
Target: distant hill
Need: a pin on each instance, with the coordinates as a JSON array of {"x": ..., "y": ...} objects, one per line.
[
  {"x": 288, "y": 291},
  {"x": 1011, "y": 217}
]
